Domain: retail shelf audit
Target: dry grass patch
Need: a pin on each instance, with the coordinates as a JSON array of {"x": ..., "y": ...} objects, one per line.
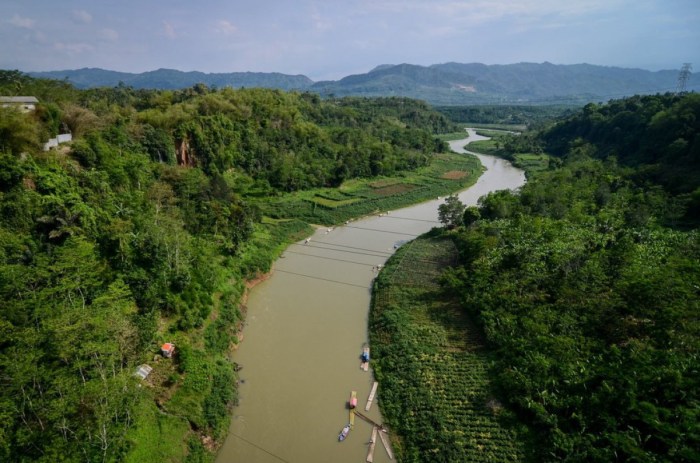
[
  {"x": 384, "y": 183},
  {"x": 393, "y": 189},
  {"x": 455, "y": 175}
]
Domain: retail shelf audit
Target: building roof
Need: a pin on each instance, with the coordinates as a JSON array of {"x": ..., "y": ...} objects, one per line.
[
  {"x": 143, "y": 371},
  {"x": 18, "y": 99}
]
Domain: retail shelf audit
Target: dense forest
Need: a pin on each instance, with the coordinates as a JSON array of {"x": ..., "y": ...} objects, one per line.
[
  {"x": 142, "y": 231},
  {"x": 586, "y": 284},
  {"x": 529, "y": 116}
]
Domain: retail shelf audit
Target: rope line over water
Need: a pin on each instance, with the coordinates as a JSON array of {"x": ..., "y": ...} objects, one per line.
[
  {"x": 315, "y": 244},
  {"x": 382, "y": 231},
  {"x": 410, "y": 218},
  {"x": 427, "y": 261},
  {"x": 259, "y": 448},
  {"x": 332, "y": 258},
  {"x": 378, "y": 254},
  {"x": 322, "y": 279}
]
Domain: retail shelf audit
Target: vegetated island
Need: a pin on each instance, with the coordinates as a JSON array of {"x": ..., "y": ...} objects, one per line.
[{"x": 566, "y": 314}]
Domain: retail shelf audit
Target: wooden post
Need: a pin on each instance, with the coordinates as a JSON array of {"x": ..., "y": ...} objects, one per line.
[{"x": 369, "y": 420}]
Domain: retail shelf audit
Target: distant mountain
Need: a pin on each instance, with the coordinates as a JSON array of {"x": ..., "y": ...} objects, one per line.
[
  {"x": 173, "y": 79},
  {"x": 527, "y": 83},
  {"x": 439, "y": 84}
]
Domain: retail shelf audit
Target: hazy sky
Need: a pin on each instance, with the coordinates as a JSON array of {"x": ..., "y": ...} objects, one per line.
[{"x": 329, "y": 39}]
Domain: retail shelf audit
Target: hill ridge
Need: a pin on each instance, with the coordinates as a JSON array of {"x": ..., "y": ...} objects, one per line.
[{"x": 450, "y": 83}]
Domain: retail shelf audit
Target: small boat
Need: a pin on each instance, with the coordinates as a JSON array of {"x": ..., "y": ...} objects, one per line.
[
  {"x": 344, "y": 433},
  {"x": 365, "y": 358}
]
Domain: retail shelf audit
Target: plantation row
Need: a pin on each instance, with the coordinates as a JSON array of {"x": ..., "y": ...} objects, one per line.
[{"x": 434, "y": 373}]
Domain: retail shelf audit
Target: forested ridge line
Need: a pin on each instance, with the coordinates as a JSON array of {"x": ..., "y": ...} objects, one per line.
[
  {"x": 143, "y": 230},
  {"x": 585, "y": 283}
]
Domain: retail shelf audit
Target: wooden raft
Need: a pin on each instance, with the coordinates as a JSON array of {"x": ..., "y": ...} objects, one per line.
[
  {"x": 372, "y": 441},
  {"x": 387, "y": 447},
  {"x": 371, "y": 396}
]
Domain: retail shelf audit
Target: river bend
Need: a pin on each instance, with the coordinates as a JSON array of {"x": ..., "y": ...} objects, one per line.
[{"x": 305, "y": 328}]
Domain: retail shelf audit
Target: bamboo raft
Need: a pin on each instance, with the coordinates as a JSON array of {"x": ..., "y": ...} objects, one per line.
[
  {"x": 371, "y": 396},
  {"x": 382, "y": 436},
  {"x": 372, "y": 441},
  {"x": 387, "y": 447}
]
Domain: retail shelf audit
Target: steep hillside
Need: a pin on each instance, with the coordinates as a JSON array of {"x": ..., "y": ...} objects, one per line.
[
  {"x": 141, "y": 232},
  {"x": 584, "y": 283}
]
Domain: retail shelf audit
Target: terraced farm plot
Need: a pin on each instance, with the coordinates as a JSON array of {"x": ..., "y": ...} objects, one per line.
[
  {"x": 333, "y": 203},
  {"x": 432, "y": 366},
  {"x": 531, "y": 162},
  {"x": 454, "y": 174},
  {"x": 447, "y": 173},
  {"x": 395, "y": 189}
]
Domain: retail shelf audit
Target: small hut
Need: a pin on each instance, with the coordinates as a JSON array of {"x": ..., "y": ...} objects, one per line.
[
  {"x": 167, "y": 349},
  {"x": 143, "y": 371}
]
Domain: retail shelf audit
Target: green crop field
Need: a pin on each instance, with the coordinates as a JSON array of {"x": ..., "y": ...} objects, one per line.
[
  {"x": 432, "y": 366},
  {"x": 447, "y": 173}
]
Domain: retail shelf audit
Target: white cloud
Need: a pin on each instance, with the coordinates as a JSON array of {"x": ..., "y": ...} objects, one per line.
[
  {"x": 73, "y": 48},
  {"x": 320, "y": 23},
  {"x": 225, "y": 27},
  {"x": 109, "y": 34},
  {"x": 475, "y": 12},
  {"x": 82, "y": 16},
  {"x": 25, "y": 23},
  {"x": 169, "y": 30}
]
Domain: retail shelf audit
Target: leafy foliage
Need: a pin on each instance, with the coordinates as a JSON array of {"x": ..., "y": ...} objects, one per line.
[
  {"x": 142, "y": 231},
  {"x": 589, "y": 299},
  {"x": 659, "y": 133},
  {"x": 451, "y": 212},
  {"x": 433, "y": 369}
]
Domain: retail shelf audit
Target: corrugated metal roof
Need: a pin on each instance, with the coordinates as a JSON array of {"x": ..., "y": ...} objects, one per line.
[
  {"x": 18, "y": 99},
  {"x": 143, "y": 371}
]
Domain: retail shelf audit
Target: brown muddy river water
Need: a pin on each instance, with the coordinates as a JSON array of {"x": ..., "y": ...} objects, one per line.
[{"x": 304, "y": 333}]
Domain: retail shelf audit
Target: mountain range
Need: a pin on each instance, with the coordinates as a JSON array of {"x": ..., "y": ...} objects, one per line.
[{"x": 438, "y": 84}]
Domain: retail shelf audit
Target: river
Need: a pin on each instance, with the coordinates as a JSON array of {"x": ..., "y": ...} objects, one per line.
[{"x": 305, "y": 328}]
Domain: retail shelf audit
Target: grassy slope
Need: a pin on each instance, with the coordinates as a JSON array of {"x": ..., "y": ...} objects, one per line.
[
  {"x": 529, "y": 162},
  {"x": 432, "y": 366},
  {"x": 164, "y": 425}
]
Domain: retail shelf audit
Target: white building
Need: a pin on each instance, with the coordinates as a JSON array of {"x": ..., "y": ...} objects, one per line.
[{"x": 24, "y": 103}]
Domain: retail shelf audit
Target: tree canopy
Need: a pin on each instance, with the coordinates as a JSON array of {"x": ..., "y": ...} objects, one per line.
[
  {"x": 586, "y": 286},
  {"x": 141, "y": 232}
]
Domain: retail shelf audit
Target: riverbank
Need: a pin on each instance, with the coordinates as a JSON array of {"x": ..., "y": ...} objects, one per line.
[
  {"x": 305, "y": 329},
  {"x": 432, "y": 365},
  {"x": 524, "y": 158},
  {"x": 447, "y": 173}
]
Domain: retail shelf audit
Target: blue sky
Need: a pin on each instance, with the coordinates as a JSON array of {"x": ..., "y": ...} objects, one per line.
[{"x": 330, "y": 39}]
